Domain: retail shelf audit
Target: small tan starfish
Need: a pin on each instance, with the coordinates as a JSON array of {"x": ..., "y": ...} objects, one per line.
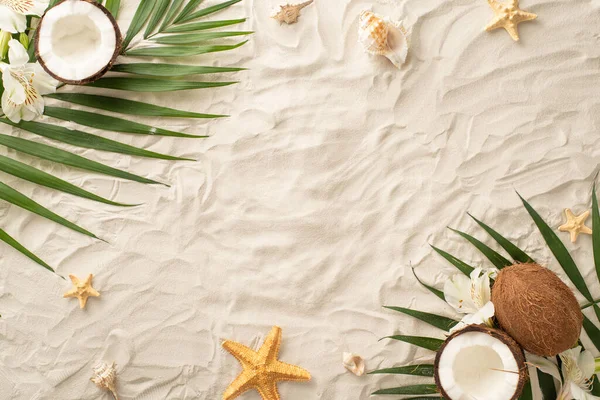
[
  {"x": 82, "y": 290},
  {"x": 575, "y": 224},
  {"x": 508, "y": 15},
  {"x": 261, "y": 369}
]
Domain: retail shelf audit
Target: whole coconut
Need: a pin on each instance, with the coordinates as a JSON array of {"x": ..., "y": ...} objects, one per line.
[{"x": 537, "y": 309}]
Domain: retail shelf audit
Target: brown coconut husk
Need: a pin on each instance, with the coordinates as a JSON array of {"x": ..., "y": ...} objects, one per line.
[
  {"x": 100, "y": 73},
  {"x": 514, "y": 347},
  {"x": 537, "y": 309}
]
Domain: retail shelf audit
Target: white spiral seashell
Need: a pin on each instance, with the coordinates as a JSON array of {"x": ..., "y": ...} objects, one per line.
[
  {"x": 105, "y": 377},
  {"x": 379, "y": 36},
  {"x": 354, "y": 363}
]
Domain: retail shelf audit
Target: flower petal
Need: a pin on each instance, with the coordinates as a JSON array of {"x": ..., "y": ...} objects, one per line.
[
  {"x": 480, "y": 287},
  {"x": 586, "y": 364},
  {"x": 10, "y": 109},
  {"x": 457, "y": 292},
  {"x": 17, "y": 54},
  {"x": 43, "y": 82},
  {"x": 12, "y": 21},
  {"x": 544, "y": 365},
  {"x": 13, "y": 89}
]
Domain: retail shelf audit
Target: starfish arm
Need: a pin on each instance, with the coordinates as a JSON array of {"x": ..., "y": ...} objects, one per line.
[
  {"x": 288, "y": 372},
  {"x": 495, "y": 5},
  {"x": 523, "y": 16},
  {"x": 495, "y": 24},
  {"x": 88, "y": 280},
  {"x": 569, "y": 214},
  {"x": 246, "y": 356},
  {"x": 70, "y": 293},
  {"x": 269, "y": 391},
  {"x": 82, "y": 301},
  {"x": 74, "y": 279},
  {"x": 93, "y": 292},
  {"x": 513, "y": 3},
  {"x": 270, "y": 348},
  {"x": 512, "y": 31},
  {"x": 574, "y": 235},
  {"x": 240, "y": 385},
  {"x": 586, "y": 229},
  {"x": 585, "y": 215}
]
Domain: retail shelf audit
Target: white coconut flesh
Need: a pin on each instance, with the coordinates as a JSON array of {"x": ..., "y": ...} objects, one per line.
[
  {"x": 477, "y": 366},
  {"x": 77, "y": 40}
]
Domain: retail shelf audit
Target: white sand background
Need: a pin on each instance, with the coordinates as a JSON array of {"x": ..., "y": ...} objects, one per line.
[{"x": 306, "y": 208}]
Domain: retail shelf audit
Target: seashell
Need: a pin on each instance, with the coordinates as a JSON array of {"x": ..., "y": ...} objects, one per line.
[
  {"x": 354, "y": 363},
  {"x": 105, "y": 377},
  {"x": 290, "y": 12},
  {"x": 380, "y": 36}
]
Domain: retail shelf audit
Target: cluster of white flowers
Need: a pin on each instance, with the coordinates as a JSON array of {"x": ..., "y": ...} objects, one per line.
[
  {"x": 472, "y": 296},
  {"x": 23, "y": 83}
]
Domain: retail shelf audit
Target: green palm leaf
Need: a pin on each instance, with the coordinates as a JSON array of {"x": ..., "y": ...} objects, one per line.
[
  {"x": 153, "y": 85},
  {"x": 596, "y": 231},
  {"x": 26, "y": 172},
  {"x": 108, "y": 123},
  {"x": 461, "y": 265},
  {"x": 200, "y": 26},
  {"x": 87, "y": 140},
  {"x": 137, "y": 23},
  {"x": 175, "y": 6},
  {"x": 428, "y": 343},
  {"x": 50, "y": 153},
  {"x": 194, "y": 38},
  {"x": 438, "y": 321},
  {"x": 20, "y": 200},
  {"x": 412, "y": 389},
  {"x": 417, "y": 370},
  {"x": 592, "y": 331},
  {"x": 130, "y": 107},
  {"x": 494, "y": 257},
  {"x": 181, "y": 51},
  {"x": 560, "y": 251},
  {"x": 546, "y": 385},
  {"x": 6, "y": 238},
  {"x": 527, "y": 393},
  {"x": 433, "y": 290},
  {"x": 113, "y": 6},
  {"x": 170, "y": 70},
  {"x": 157, "y": 14},
  {"x": 189, "y": 7},
  {"x": 516, "y": 253},
  {"x": 208, "y": 10}
]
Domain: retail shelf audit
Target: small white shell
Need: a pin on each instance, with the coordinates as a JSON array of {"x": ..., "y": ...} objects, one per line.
[
  {"x": 354, "y": 363},
  {"x": 380, "y": 36},
  {"x": 105, "y": 377}
]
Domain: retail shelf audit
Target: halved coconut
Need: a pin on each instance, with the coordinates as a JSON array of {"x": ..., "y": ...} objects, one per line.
[
  {"x": 480, "y": 363},
  {"x": 77, "y": 41}
]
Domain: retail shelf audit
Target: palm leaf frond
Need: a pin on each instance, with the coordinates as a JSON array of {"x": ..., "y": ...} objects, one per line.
[
  {"x": 182, "y": 51},
  {"x": 495, "y": 258},
  {"x": 170, "y": 70},
  {"x": 15, "y": 197},
  {"x": 200, "y": 26},
  {"x": 6, "y": 238},
  {"x": 129, "y": 107},
  {"x": 137, "y": 23},
  {"x": 153, "y": 85},
  {"x": 207, "y": 11},
  {"x": 516, "y": 253},
  {"x": 438, "y": 321},
  {"x": 113, "y": 7},
  {"x": 57, "y": 155},
  {"x": 417, "y": 370},
  {"x": 459, "y": 264},
  {"x": 108, "y": 123},
  {"x": 31, "y": 174},
  {"x": 187, "y": 10},
  {"x": 433, "y": 290},
  {"x": 157, "y": 15},
  {"x": 173, "y": 9},
  {"x": 87, "y": 140},
  {"x": 412, "y": 389},
  {"x": 195, "y": 38},
  {"x": 428, "y": 343}
]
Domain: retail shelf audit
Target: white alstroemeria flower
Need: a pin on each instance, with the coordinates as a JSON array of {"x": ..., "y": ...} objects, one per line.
[
  {"x": 577, "y": 369},
  {"x": 24, "y": 85},
  {"x": 471, "y": 296},
  {"x": 483, "y": 316},
  {"x": 466, "y": 295},
  {"x": 13, "y": 13}
]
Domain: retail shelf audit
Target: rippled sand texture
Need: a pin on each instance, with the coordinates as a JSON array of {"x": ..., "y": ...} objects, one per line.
[{"x": 307, "y": 207}]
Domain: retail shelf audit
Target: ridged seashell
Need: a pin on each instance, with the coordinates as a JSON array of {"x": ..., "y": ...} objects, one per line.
[
  {"x": 105, "y": 377},
  {"x": 290, "y": 12},
  {"x": 354, "y": 363},
  {"x": 380, "y": 36}
]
